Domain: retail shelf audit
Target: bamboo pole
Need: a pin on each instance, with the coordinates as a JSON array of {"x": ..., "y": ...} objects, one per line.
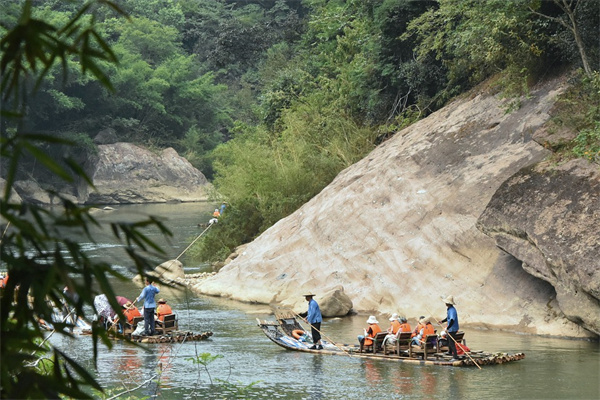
[
  {"x": 321, "y": 333},
  {"x": 450, "y": 336}
]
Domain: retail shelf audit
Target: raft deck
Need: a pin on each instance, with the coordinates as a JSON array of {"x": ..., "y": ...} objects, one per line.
[{"x": 172, "y": 337}]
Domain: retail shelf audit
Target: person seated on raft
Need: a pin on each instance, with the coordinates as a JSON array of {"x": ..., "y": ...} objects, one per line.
[
  {"x": 404, "y": 325},
  {"x": 130, "y": 312},
  {"x": 162, "y": 309},
  {"x": 370, "y": 332},
  {"x": 397, "y": 324},
  {"x": 394, "y": 324},
  {"x": 443, "y": 339},
  {"x": 418, "y": 327},
  {"x": 427, "y": 329}
]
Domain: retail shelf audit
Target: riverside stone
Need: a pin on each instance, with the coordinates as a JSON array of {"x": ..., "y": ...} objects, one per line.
[{"x": 126, "y": 173}]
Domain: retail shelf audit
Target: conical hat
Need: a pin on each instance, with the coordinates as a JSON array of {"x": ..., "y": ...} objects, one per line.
[{"x": 449, "y": 300}]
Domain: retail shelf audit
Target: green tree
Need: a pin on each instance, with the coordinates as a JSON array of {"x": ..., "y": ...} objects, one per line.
[{"x": 35, "y": 247}]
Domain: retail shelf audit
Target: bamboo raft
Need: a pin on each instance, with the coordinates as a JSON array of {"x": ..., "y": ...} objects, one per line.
[
  {"x": 280, "y": 332},
  {"x": 172, "y": 337}
]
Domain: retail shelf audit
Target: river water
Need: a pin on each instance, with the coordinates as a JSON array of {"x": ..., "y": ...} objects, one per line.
[{"x": 247, "y": 365}]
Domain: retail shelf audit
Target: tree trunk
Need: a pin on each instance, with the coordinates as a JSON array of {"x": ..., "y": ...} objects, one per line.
[{"x": 566, "y": 7}]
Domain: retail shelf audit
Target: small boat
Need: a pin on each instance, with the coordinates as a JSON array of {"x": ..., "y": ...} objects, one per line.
[{"x": 288, "y": 333}]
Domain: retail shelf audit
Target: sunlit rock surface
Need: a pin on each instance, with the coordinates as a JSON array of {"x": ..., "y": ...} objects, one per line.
[{"x": 398, "y": 232}]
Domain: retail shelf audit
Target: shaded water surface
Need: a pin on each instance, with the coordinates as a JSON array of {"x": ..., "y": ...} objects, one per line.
[{"x": 250, "y": 366}]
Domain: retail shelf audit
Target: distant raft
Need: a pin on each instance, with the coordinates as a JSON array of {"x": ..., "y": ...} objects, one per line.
[{"x": 282, "y": 332}]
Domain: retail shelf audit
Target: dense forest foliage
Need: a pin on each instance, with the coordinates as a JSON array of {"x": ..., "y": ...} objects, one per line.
[{"x": 272, "y": 98}]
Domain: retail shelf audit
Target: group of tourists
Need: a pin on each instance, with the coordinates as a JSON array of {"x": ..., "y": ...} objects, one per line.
[
  {"x": 419, "y": 334},
  {"x": 152, "y": 312},
  {"x": 398, "y": 324}
]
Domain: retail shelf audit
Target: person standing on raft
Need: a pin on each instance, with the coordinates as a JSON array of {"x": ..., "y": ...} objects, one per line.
[
  {"x": 148, "y": 294},
  {"x": 314, "y": 319},
  {"x": 452, "y": 328}
]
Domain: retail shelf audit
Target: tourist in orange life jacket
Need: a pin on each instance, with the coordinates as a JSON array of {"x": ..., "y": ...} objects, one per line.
[
  {"x": 394, "y": 324},
  {"x": 370, "y": 332},
  {"x": 130, "y": 312},
  {"x": 395, "y": 327},
  {"x": 404, "y": 325},
  {"x": 162, "y": 309},
  {"x": 216, "y": 213},
  {"x": 427, "y": 329},
  {"x": 418, "y": 328}
]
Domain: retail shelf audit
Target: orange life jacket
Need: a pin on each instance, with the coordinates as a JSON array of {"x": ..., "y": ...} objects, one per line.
[
  {"x": 162, "y": 310},
  {"x": 394, "y": 326},
  {"x": 405, "y": 327},
  {"x": 427, "y": 330},
  {"x": 131, "y": 313},
  {"x": 417, "y": 330},
  {"x": 373, "y": 330}
]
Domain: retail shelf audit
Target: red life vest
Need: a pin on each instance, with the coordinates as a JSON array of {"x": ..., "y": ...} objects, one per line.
[
  {"x": 405, "y": 327},
  {"x": 373, "y": 330},
  {"x": 461, "y": 349}
]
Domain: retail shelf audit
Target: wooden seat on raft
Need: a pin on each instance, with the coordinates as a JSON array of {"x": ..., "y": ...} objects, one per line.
[
  {"x": 375, "y": 345},
  {"x": 427, "y": 348},
  {"x": 400, "y": 343},
  {"x": 169, "y": 324},
  {"x": 459, "y": 337},
  {"x": 128, "y": 328}
]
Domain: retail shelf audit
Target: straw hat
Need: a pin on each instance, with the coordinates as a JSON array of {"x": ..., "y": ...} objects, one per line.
[
  {"x": 372, "y": 320},
  {"x": 394, "y": 317},
  {"x": 128, "y": 305},
  {"x": 310, "y": 294},
  {"x": 162, "y": 301},
  {"x": 449, "y": 300},
  {"x": 424, "y": 321}
]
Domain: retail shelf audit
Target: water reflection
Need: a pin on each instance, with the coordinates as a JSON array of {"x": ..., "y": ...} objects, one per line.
[
  {"x": 316, "y": 387},
  {"x": 372, "y": 372},
  {"x": 403, "y": 381}
]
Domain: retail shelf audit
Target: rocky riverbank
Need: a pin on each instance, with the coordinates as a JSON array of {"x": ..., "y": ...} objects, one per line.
[{"x": 456, "y": 204}]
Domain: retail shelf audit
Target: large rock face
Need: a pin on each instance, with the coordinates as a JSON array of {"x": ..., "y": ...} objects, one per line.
[
  {"x": 125, "y": 173},
  {"x": 398, "y": 232},
  {"x": 550, "y": 219}
]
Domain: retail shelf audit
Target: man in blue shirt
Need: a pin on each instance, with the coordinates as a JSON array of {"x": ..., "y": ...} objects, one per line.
[
  {"x": 148, "y": 294},
  {"x": 314, "y": 319},
  {"x": 452, "y": 328}
]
